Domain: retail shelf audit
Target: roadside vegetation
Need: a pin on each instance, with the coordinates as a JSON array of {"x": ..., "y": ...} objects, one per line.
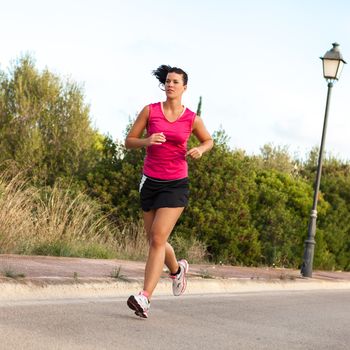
[{"x": 67, "y": 190}]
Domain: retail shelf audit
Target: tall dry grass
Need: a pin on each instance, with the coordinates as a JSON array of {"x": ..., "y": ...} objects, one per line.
[
  {"x": 55, "y": 221},
  {"x": 132, "y": 242},
  {"x": 52, "y": 221},
  {"x": 17, "y": 224}
]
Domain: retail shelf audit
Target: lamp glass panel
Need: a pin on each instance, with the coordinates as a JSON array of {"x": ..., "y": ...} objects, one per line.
[
  {"x": 340, "y": 68},
  {"x": 330, "y": 68}
]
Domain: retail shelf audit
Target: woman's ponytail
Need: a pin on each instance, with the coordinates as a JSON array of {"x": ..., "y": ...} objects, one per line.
[{"x": 162, "y": 71}]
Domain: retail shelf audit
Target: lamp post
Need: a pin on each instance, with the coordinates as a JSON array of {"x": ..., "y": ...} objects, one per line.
[{"x": 333, "y": 63}]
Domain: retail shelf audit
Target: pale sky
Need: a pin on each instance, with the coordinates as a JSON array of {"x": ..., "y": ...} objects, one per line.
[{"x": 255, "y": 63}]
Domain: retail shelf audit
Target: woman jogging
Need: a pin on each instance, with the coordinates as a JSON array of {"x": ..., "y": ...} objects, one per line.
[{"x": 164, "y": 184}]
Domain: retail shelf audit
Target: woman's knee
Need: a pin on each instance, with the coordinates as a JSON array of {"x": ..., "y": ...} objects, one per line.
[{"x": 157, "y": 239}]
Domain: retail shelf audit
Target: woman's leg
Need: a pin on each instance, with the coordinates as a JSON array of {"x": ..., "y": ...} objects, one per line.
[
  {"x": 163, "y": 223},
  {"x": 170, "y": 257}
]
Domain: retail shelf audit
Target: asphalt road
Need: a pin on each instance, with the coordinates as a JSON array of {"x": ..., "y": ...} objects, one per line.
[{"x": 270, "y": 320}]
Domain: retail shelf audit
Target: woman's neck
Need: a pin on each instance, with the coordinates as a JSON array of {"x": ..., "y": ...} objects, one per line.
[{"x": 173, "y": 105}]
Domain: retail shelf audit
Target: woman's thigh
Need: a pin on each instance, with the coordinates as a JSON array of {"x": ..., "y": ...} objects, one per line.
[{"x": 163, "y": 222}]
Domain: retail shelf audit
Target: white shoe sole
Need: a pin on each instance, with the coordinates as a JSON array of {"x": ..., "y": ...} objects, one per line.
[{"x": 134, "y": 305}]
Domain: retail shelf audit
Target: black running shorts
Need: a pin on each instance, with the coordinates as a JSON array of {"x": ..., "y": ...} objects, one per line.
[{"x": 156, "y": 193}]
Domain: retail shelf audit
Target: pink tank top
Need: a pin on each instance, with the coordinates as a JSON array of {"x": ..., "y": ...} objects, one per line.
[{"x": 168, "y": 160}]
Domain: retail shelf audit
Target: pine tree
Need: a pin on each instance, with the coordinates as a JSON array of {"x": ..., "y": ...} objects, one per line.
[{"x": 199, "y": 108}]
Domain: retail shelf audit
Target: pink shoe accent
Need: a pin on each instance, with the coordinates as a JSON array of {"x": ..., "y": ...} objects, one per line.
[{"x": 145, "y": 293}]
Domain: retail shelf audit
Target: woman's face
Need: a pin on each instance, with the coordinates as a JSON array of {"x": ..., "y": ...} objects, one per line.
[{"x": 174, "y": 85}]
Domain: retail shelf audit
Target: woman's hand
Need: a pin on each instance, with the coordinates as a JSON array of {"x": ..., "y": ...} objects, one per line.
[
  {"x": 155, "y": 139},
  {"x": 194, "y": 153},
  {"x": 203, "y": 137}
]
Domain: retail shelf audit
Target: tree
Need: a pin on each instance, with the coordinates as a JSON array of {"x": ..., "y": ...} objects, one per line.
[
  {"x": 280, "y": 214},
  {"x": 335, "y": 224},
  {"x": 114, "y": 181},
  {"x": 278, "y": 158},
  {"x": 45, "y": 124},
  {"x": 199, "y": 107}
]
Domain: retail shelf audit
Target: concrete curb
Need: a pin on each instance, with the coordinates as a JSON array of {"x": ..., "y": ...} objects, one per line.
[{"x": 39, "y": 289}]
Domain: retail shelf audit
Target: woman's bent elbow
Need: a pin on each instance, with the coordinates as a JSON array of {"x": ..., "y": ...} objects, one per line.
[{"x": 127, "y": 144}]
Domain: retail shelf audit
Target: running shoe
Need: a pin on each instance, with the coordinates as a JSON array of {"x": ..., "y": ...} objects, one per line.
[
  {"x": 140, "y": 304},
  {"x": 179, "y": 280}
]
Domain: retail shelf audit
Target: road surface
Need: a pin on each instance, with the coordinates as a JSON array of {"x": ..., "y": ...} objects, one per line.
[{"x": 271, "y": 320}]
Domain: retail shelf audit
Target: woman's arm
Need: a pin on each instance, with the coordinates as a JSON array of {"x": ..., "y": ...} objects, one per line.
[
  {"x": 134, "y": 140},
  {"x": 203, "y": 136}
]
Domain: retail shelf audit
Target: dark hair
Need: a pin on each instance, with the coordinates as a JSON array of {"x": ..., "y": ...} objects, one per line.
[{"x": 162, "y": 71}]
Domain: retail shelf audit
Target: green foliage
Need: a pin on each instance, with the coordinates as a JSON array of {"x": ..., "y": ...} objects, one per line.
[
  {"x": 199, "y": 107},
  {"x": 335, "y": 186},
  {"x": 73, "y": 249},
  {"x": 277, "y": 158},
  {"x": 332, "y": 250},
  {"x": 114, "y": 180},
  {"x": 243, "y": 209},
  {"x": 45, "y": 125},
  {"x": 280, "y": 214},
  {"x": 219, "y": 215}
]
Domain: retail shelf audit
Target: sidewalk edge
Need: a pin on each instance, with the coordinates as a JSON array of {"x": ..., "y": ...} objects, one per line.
[{"x": 30, "y": 290}]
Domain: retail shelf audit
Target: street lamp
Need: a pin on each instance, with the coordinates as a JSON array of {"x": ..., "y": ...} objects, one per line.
[{"x": 333, "y": 63}]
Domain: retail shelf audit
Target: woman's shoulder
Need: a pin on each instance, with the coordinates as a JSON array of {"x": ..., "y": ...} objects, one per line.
[
  {"x": 154, "y": 104},
  {"x": 150, "y": 105},
  {"x": 145, "y": 110},
  {"x": 155, "y": 108},
  {"x": 190, "y": 114},
  {"x": 188, "y": 110}
]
